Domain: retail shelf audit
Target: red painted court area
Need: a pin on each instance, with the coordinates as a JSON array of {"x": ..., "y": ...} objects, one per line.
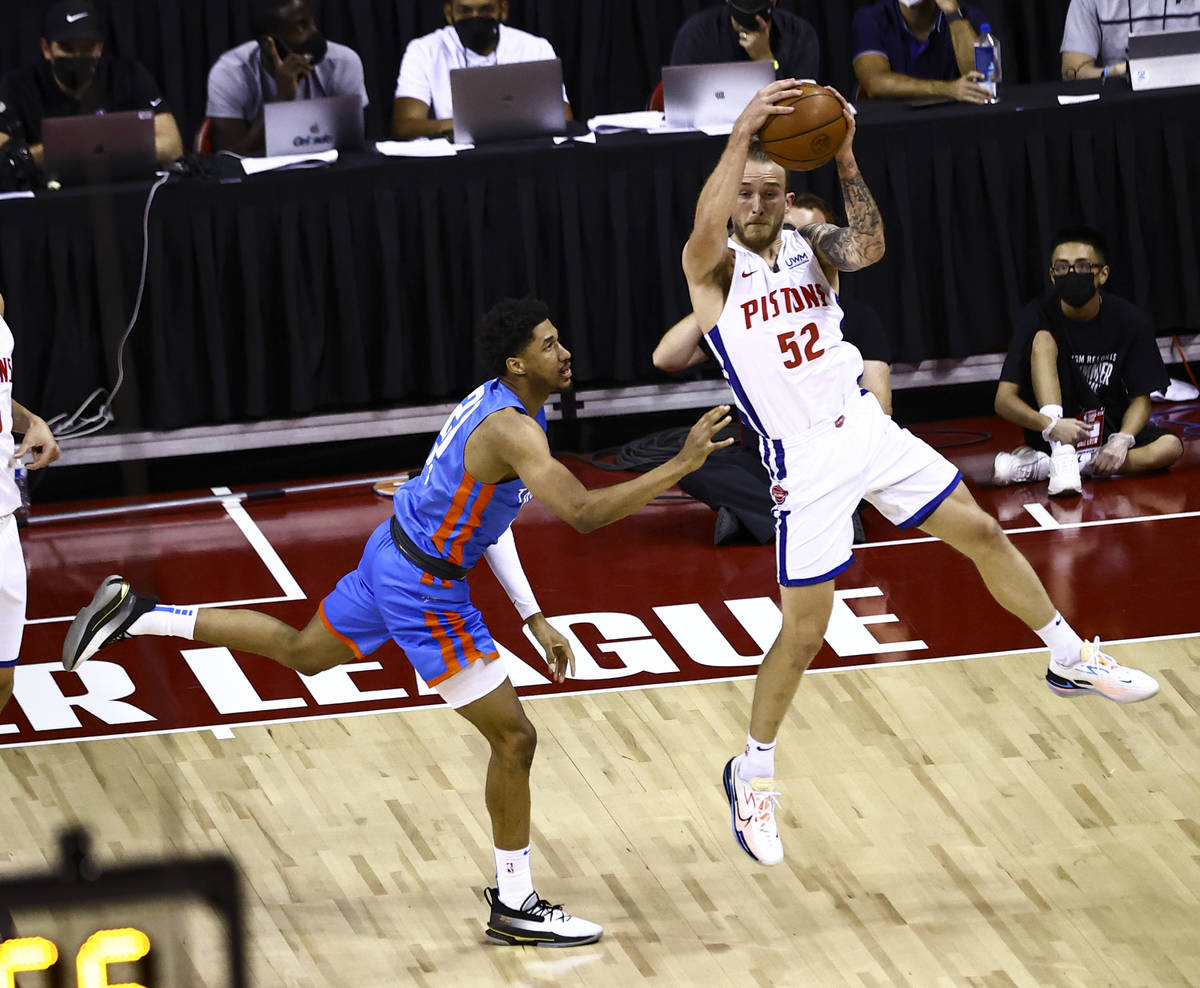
[{"x": 648, "y": 601}]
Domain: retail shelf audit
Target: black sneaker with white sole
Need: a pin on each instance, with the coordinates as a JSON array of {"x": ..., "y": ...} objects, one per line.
[
  {"x": 536, "y": 924},
  {"x": 105, "y": 621}
]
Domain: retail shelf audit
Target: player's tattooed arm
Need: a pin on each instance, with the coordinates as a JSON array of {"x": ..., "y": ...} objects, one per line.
[{"x": 859, "y": 244}]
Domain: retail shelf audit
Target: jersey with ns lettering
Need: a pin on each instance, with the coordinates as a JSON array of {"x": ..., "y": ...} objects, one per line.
[
  {"x": 779, "y": 342},
  {"x": 10, "y": 497},
  {"x": 447, "y": 512}
]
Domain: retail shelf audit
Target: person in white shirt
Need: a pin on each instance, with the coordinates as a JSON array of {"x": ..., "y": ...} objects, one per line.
[
  {"x": 40, "y": 442},
  {"x": 475, "y": 34}
]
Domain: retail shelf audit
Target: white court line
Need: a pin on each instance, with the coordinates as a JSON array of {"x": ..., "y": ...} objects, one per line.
[
  {"x": 266, "y": 551},
  {"x": 225, "y": 731},
  {"x": 1135, "y": 519},
  {"x": 258, "y": 542},
  {"x": 1041, "y": 515}
]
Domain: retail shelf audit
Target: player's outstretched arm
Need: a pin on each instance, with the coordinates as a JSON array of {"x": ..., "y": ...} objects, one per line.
[
  {"x": 680, "y": 347},
  {"x": 706, "y": 246},
  {"x": 526, "y": 450},
  {"x": 861, "y": 242}
]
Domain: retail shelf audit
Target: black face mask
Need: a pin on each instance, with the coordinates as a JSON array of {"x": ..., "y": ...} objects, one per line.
[
  {"x": 480, "y": 34},
  {"x": 74, "y": 73},
  {"x": 316, "y": 48},
  {"x": 1074, "y": 288}
]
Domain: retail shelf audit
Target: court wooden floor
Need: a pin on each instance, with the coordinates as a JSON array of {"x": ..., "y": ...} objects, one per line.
[{"x": 947, "y": 820}]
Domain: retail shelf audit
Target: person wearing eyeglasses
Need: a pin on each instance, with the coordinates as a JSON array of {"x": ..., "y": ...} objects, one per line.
[{"x": 1078, "y": 377}]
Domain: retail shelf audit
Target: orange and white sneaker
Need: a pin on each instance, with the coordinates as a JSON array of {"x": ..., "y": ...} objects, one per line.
[
  {"x": 752, "y": 807},
  {"x": 1097, "y": 673}
]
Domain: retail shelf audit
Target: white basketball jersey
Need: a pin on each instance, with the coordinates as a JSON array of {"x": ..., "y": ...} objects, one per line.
[
  {"x": 779, "y": 342},
  {"x": 10, "y": 497}
]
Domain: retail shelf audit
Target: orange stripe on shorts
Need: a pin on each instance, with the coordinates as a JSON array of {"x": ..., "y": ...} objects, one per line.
[
  {"x": 449, "y": 657},
  {"x": 337, "y": 634},
  {"x": 458, "y": 627}
]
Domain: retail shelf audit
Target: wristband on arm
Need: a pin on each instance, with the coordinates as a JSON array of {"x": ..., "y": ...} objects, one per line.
[
  {"x": 1054, "y": 414},
  {"x": 506, "y": 564}
]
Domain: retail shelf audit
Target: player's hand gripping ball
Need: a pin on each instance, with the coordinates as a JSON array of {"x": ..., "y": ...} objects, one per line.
[{"x": 810, "y": 135}]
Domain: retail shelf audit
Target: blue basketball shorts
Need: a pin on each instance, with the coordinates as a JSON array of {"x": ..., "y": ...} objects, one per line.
[{"x": 433, "y": 621}]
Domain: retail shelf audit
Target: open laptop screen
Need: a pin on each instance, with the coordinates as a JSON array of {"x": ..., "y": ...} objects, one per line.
[{"x": 508, "y": 102}]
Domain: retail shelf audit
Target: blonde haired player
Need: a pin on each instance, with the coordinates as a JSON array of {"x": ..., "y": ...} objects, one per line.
[{"x": 776, "y": 332}]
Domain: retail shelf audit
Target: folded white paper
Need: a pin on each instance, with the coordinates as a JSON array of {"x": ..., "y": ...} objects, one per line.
[
  {"x": 1085, "y": 98},
  {"x": 252, "y": 166},
  {"x": 639, "y": 120},
  {"x": 438, "y": 147}
]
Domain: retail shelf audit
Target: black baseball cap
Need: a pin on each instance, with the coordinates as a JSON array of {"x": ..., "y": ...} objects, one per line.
[
  {"x": 751, "y": 6},
  {"x": 72, "y": 19}
]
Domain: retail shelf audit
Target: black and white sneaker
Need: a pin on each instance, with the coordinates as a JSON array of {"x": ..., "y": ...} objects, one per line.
[
  {"x": 105, "y": 621},
  {"x": 536, "y": 924}
]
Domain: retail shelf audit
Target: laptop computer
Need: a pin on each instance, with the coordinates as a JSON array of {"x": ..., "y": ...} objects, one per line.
[
  {"x": 1164, "y": 59},
  {"x": 508, "y": 102},
  {"x": 98, "y": 148},
  {"x": 308, "y": 125},
  {"x": 711, "y": 95}
]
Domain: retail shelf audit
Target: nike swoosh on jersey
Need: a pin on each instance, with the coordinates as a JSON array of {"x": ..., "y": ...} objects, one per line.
[
  {"x": 72, "y": 18},
  {"x": 747, "y": 274}
]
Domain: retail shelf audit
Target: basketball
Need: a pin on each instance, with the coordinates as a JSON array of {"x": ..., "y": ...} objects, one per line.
[{"x": 810, "y": 135}]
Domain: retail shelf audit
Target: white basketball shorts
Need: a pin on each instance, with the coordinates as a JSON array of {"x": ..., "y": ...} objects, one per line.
[
  {"x": 818, "y": 479},
  {"x": 12, "y": 592}
]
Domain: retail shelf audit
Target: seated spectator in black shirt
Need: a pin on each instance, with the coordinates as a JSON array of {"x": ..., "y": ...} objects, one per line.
[
  {"x": 918, "y": 49},
  {"x": 75, "y": 77},
  {"x": 741, "y": 30},
  {"x": 1078, "y": 377}
]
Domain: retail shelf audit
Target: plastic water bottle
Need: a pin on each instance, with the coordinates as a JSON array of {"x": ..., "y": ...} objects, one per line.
[
  {"x": 22, "y": 481},
  {"x": 987, "y": 60}
]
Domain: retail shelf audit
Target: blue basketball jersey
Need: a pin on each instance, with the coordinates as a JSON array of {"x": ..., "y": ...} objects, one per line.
[{"x": 446, "y": 511}]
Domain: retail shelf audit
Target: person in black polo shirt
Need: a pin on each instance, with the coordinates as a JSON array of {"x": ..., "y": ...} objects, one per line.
[
  {"x": 918, "y": 49},
  {"x": 76, "y": 77},
  {"x": 738, "y": 30},
  {"x": 1078, "y": 377}
]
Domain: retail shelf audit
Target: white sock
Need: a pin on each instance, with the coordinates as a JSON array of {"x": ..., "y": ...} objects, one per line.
[
  {"x": 514, "y": 880},
  {"x": 166, "y": 619},
  {"x": 759, "y": 762},
  {"x": 1061, "y": 639}
]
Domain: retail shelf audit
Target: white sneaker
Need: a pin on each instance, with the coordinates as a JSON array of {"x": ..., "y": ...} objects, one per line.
[
  {"x": 1064, "y": 473},
  {"x": 1023, "y": 464},
  {"x": 752, "y": 806},
  {"x": 536, "y": 924},
  {"x": 1177, "y": 390},
  {"x": 1098, "y": 673}
]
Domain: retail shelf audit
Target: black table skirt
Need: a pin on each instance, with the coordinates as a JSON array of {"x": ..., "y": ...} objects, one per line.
[{"x": 360, "y": 285}]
